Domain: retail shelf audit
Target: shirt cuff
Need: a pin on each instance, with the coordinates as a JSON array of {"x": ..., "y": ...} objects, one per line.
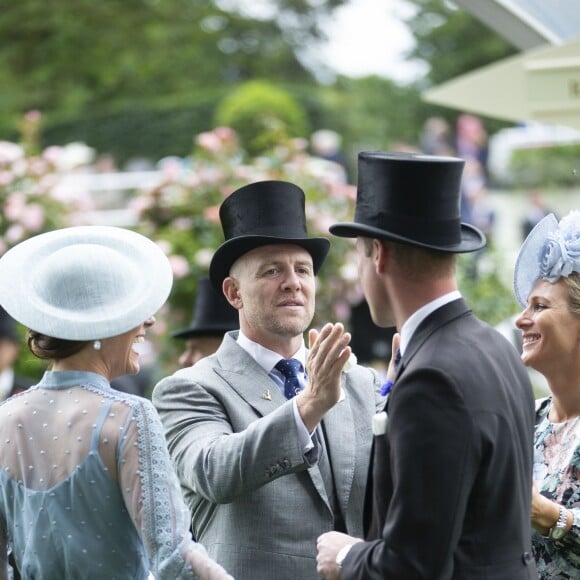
[{"x": 304, "y": 437}]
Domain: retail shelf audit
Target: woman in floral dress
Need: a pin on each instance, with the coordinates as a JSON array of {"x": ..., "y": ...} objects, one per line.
[{"x": 547, "y": 285}]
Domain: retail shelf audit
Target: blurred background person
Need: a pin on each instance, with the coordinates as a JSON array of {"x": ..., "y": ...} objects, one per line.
[
  {"x": 213, "y": 316},
  {"x": 536, "y": 210},
  {"x": 327, "y": 144},
  {"x": 10, "y": 345},
  {"x": 87, "y": 489},
  {"x": 436, "y": 137},
  {"x": 471, "y": 141},
  {"x": 547, "y": 286}
]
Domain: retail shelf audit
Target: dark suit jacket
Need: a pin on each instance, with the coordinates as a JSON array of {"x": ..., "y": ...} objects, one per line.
[{"x": 450, "y": 486}]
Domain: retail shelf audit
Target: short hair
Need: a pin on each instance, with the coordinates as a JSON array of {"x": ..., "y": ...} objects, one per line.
[
  {"x": 49, "y": 348},
  {"x": 418, "y": 262}
]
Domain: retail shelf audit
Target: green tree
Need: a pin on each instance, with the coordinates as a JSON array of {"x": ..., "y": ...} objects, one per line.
[
  {"x": 452, "y": 41},
  {"x": 70, "y": 58},
  {"x": 262, "y": 115},
  {"x": 373, "y": 113}
]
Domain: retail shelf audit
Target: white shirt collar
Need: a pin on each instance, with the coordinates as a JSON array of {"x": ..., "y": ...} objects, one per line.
[
  {"x": 265, "y": 357},
  {"x": 418, "y": 316}
]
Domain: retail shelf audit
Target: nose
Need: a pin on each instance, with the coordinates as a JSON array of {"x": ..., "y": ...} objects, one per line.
[
  {"x": 523, "y": 319},
  {"x": 291, "y": 280},
  {"x": 186, "y": 359},
  {"x": 149, "y": 322}
]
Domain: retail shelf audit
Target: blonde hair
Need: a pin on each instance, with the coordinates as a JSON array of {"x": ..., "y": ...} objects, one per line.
[{"x": 572, "y": 284}]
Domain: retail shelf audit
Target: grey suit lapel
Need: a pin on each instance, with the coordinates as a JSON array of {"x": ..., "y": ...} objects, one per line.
[
  {"x": 246, "y": 377},
  {"x": 338, "y": 425}
]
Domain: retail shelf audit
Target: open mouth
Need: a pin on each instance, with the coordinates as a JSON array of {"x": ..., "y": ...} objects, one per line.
[
  {"x": 138, "y": 341},
  {"x": 530, "y": 339}
]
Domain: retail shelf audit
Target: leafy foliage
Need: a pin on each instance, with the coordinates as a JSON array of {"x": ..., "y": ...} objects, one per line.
[
  {"x": 262, "y": 116},
  {"x": 30, "y": 200},
  {"x": 481, "y": 283},
  {"x": 547, "y": 167},
  {"x": 76, "y": 57}
]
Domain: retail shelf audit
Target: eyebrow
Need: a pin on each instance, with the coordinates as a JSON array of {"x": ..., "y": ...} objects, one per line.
[{"x": 283, "y": 263}]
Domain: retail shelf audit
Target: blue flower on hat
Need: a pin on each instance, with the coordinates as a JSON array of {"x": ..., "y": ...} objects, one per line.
[{"x": 561, "y": 254}]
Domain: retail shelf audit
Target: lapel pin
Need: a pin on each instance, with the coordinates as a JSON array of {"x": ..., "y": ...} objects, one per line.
[{"x": 266, "y": 395}]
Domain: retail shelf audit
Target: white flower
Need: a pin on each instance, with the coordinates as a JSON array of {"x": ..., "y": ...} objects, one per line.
[{"x": 350, "y": 363}]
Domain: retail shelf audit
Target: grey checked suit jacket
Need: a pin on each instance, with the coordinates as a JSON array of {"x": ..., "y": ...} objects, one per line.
[{"x": 257, "y": 503}]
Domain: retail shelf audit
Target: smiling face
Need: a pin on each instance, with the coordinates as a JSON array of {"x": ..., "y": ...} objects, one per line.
[
  {"x": 550, "y": 331},
  {"x": 119, "y": 353},
  {"x": 273, "y": 287}
]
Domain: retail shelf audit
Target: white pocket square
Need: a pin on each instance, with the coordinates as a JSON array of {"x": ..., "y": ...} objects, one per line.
[{"x": 380, "y": 423}]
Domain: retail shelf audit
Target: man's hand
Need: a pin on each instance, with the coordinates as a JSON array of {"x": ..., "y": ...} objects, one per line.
[
  {"x": 328, "y": 545},
  {"x": 391, "y": 369},
  {"x": 329, "y": 352},
  {"x": 206, "y": 568}
]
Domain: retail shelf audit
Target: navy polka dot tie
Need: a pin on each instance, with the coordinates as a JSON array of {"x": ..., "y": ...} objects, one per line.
[{"x": 290, "y": 368}]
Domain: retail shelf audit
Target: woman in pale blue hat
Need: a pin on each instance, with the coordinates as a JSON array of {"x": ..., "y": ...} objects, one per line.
[
  {"x": 547, "y": 285},
  {"x": 87, "y": 489}
]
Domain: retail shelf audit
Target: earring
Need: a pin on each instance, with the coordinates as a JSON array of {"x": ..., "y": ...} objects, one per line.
[{"x": 97, "y": 345}]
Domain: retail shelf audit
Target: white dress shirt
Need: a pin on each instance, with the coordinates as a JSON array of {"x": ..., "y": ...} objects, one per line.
[
  {"x": 412, "y": 323},
  {"x": 268, "y": 359}
]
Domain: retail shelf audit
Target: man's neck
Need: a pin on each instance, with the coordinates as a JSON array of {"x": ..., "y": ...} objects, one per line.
[{"x": 411, "y": 297}]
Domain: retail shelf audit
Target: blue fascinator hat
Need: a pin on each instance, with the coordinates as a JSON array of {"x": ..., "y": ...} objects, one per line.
[{"x": 551, "y": 251}]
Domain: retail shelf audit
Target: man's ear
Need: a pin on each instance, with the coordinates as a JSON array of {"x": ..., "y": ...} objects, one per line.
[
  {"x": 381, "y": 256},
  {"x": 232, "y": 293}
]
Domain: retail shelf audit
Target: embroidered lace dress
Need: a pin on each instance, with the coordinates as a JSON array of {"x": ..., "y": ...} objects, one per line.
[
  {"x": 557, "y": 475},
  {"x": 87, "y": 489}
]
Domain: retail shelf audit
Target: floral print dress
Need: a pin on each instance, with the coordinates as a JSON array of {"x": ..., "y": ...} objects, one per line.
[{"x": 557, "y": 475}]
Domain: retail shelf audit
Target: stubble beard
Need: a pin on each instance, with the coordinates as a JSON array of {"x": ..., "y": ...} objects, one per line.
[{"x": 288, "y": 327}]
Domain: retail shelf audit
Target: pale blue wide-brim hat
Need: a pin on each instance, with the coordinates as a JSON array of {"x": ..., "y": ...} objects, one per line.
[
  {"x": 551, "y": 251},
  {"x": 84, "y": 283}
]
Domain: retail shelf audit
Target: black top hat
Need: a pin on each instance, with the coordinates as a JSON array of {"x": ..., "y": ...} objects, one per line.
[
  {"x": 412, "y": 199},
  {"x": 262, "y": 213},
  {"x": 8, "y": 326},
  {"x": 213, "y": 314}
]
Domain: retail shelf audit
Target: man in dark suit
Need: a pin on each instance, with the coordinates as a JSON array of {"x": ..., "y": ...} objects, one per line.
[
  {"x": 268, "y": 459},
  {"x": 448, "y": 495}
]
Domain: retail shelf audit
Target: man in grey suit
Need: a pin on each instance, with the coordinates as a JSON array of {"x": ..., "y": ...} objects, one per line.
[
  {"x": 450, "y": 485},
  {"x": 271, "y": 441}
]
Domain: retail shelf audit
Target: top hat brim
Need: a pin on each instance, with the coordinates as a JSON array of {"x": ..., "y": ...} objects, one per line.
[
  {"x": 529, "y": 260},
  {"x": 202, "y": 331},
  {"x": 234, "y": 248},
  {"x": 472, "y": 239}
]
